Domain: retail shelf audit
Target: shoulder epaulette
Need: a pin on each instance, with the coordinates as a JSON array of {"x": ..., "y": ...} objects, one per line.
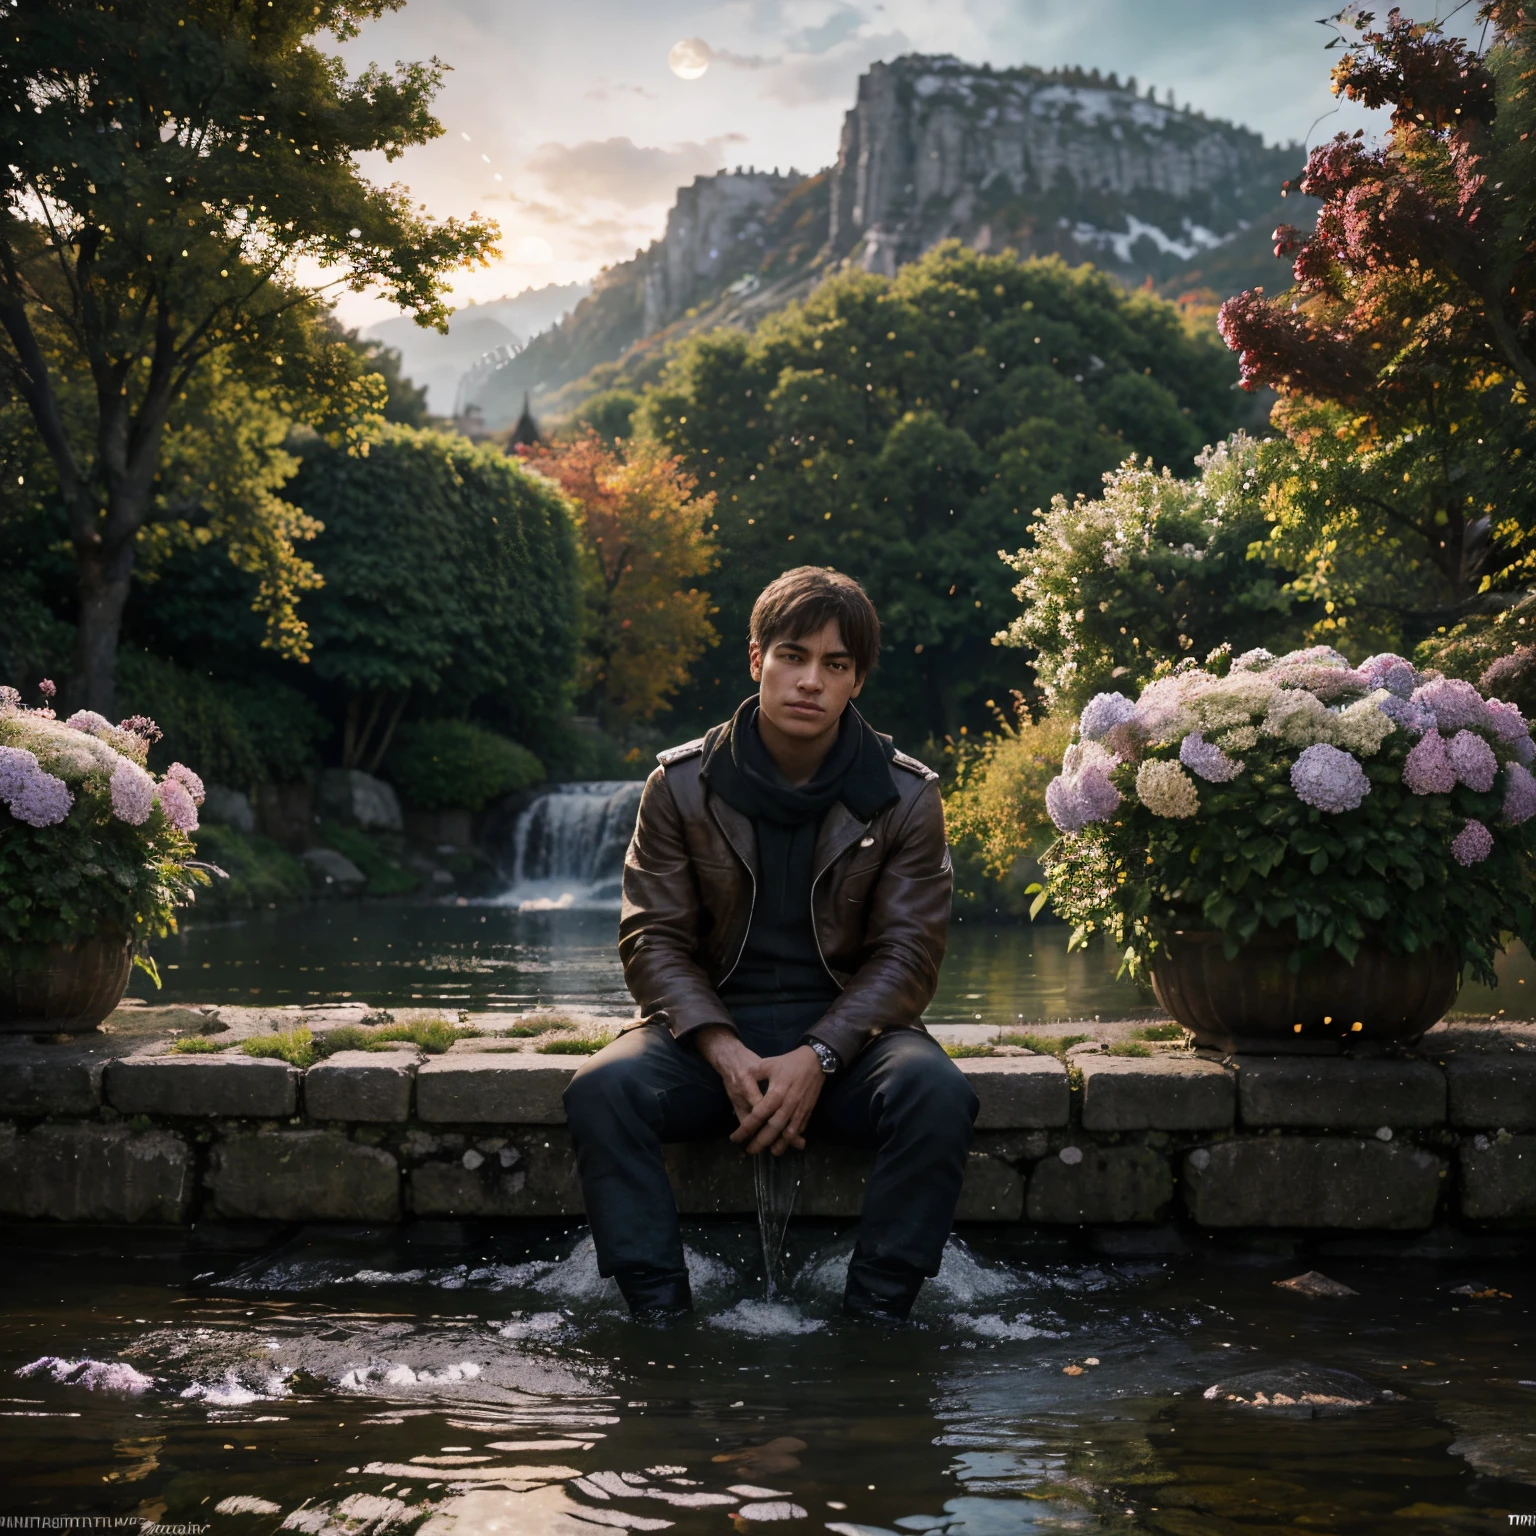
[
  {"x": 911, "y": 764},
  {"x": 677, "y": 754}
]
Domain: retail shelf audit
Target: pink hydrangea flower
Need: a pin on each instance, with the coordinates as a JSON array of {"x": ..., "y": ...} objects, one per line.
[
  {"x": 1083, "y": 792},
  {"x": 1456, "y": 704},
  {"x": 1329, "y": 778},
  {"x": 1394, "y": 673},
  {"x": 1472, "y": 844},
  {"x": 1427, "y": 770},
  {"x": 1519, "y": 794},
  {"x": 10, "y": 701},
  {"x": 189, "y": 780},
  {"x": 176, "y": 801},
  {"x": 133, "y": 794},
  {"x": 89, "y": 721},
  {"x": 1473, "y": 760}
]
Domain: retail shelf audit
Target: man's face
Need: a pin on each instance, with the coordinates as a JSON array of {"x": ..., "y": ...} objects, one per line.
[{"x": 806, "y": 683}]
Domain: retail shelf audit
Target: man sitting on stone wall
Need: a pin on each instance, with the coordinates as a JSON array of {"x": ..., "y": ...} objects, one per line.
[{"x": 786, "y": 901}]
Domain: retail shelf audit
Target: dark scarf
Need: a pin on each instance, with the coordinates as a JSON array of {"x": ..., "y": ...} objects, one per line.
[
  {"x": 779, "y": 961},
  {"x": 739, "y": 768}
]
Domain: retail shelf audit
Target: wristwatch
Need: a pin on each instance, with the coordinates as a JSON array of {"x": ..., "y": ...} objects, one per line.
[{"x": 828, "y": 1058}]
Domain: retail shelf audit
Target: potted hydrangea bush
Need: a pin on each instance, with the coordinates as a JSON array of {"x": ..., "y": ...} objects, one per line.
[
  {"x": 1301, "y": 855},
  {"x": 95, "y": 857}
]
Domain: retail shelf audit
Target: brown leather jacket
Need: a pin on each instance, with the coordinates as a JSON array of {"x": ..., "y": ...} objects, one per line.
[{"x": 879, "y": 902}]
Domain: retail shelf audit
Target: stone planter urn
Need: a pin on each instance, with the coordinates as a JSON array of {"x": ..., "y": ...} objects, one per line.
[
  {"x": 1255, "y": 1004},
  {"x": 71, "y": 992}
]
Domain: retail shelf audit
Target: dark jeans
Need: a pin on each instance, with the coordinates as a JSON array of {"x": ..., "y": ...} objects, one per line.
[{"x": 902, "y": 1096}]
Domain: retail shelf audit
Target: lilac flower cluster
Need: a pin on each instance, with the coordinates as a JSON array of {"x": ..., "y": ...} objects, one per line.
[
  {"x": 1472, "y": 844},
  {"x": 1427, "y": 769},
  {"x": 1083, "y": 792},
  {"x": 1206, "y": 759},
  {"x": 1519, "y": 794},
  {"x": 33, "y": 796},
  {"x": 176, "y": 802},
  {"x": 89, "y": 721},
  {"x": 1394, "y": 673},
  {"x": 1329, "y": 779},
  {"x": 1473, "y": 760},
  {"x": 189, "y": 780},
  {"x": 133, "y": 794},
  {"x": 1102, "y": 713},
  {"x": 1455, "y": 704},
  {"x": 10, "y": 701}
]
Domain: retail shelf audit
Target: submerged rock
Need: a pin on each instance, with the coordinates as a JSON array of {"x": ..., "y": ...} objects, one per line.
[{"x": 1302, "y": 1391}]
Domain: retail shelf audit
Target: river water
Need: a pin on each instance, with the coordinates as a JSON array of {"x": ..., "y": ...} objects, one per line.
[
  {"x": 455, "y": 1380},
  {"x": 496, "y": 956}
]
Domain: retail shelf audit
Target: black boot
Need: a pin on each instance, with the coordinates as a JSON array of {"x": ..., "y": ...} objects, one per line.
[
  {"x": 657, "y": 1296},
  {"x": 880, "y": 1293}
]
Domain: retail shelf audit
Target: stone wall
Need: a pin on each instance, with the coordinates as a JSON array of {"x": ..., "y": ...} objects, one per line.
[{"x": 120, "y": 1130}]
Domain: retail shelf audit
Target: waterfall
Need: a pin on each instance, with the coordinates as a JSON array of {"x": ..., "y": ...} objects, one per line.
[{"x": 568, "y": 846}]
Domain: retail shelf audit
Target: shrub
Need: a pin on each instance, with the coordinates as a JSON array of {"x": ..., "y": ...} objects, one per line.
[
  {"x": 1302, "y": 794},
  {"x": 442, "y": 765}
]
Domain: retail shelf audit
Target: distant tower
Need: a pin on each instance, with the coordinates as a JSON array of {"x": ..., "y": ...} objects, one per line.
[{"x": 526, "y": 433}]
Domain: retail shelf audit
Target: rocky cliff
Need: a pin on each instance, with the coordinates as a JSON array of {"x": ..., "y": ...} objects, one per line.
[{"x": 1067, "y": 163}]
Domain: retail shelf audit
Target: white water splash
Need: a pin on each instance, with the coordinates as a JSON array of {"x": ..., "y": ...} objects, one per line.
[
  {"x": 362, "y": 1377},
  {"x": 230, "y": 1392},
  {"x": 93, "y": 1375},
  {"x": 766, "y": 1319},
  {"x": 533, "y": 1325},
  {"x": 990, "y": 1326}
]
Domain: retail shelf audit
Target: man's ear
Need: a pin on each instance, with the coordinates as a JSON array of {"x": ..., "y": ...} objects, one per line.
[
  {"x": 755, "y": 660},
  {"x": 858, "y": 687}
]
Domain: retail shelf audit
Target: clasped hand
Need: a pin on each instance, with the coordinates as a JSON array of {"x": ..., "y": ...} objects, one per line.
[{"x": 773, "y": 1096}]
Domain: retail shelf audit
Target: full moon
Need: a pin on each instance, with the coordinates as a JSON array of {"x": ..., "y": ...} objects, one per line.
[{"x": 689, "y": 58}]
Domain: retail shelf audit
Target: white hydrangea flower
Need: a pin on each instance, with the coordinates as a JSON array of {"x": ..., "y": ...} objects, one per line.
[{"x": 1166, "y": 790}]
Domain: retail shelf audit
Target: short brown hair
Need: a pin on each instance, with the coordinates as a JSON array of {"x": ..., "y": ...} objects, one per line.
[{"x": 803, "y": 600}]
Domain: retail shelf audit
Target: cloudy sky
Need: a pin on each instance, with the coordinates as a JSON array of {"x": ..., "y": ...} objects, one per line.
[{"x": 564, "y": 122}]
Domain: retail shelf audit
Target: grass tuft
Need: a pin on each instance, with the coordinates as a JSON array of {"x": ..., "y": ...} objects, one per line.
[
  {"x": 1129, "y": 1048},
  {"x": 295, "y": 1046},
  {"x": 200, "y": 1045},
  {"x": 1046, "y": 1045},
  {"x": 434, "y": 1036},
  {"x": 531, "y": 1027},
  {"x": 1167, "y": 1031},
  {"x": 967, "y": 1050},
  {"x": 585, "y": 1047}
]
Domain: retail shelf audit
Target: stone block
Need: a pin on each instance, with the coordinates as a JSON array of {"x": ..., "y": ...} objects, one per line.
[
  {"x": 95, "y": 1173},
  {"x": 230, "y": 807},
  {"x": 231, "y": 1086},
  {"x": 1498, "y": 1181},
  {"x": 493, "y": 1088},
  {"x": 50, "y": 1079},
  {"x": 1101, "y": 1185},
  {"x": 302, "y": 1176},
  {"x": 1494, "y": 1090},
  {"x": 360, "y": 1085},
  {"x": 1313, "y": 1181},
  {"x": 1018, "y": 1093},
  {"x": 713, "y": 1178},
  {"x": 473, "y": 1185},
  {"x": 993, "y": 1190},
  {"x": 1323, "y": 1091},
  {"x": 1156, "y": 1093}
]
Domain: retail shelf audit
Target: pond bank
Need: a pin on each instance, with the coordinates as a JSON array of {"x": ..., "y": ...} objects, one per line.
[{"x": 119, "y": 1127}]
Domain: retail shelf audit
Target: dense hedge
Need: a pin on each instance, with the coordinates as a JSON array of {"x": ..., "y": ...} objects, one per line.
[
  {"x": 440, "y": 765},
  {"x": 449, "y": 571}
]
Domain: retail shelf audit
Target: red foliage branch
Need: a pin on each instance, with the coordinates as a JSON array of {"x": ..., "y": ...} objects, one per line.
[{"x": 1410, "y": 274}]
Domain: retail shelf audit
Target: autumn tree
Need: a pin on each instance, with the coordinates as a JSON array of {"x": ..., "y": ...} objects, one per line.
[
  {"x": 1405, "y": 356},
  {"x": 170, "y": 179},
  {"x": 646, "y": 541}
]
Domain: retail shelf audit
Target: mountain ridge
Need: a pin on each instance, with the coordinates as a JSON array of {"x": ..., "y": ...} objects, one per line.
[{"x": 1065, "y": 162}]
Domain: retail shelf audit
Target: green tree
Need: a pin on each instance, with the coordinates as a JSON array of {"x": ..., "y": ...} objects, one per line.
[
  {"x": 902, "y": 429},
  {"x": 163, "y": 174},
  {"x": 450, "y": 576},
  {"x": 1153, "y": 570}
]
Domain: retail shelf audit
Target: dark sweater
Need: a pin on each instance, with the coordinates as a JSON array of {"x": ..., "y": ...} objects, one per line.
[{"x": 780, "y": 962}]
